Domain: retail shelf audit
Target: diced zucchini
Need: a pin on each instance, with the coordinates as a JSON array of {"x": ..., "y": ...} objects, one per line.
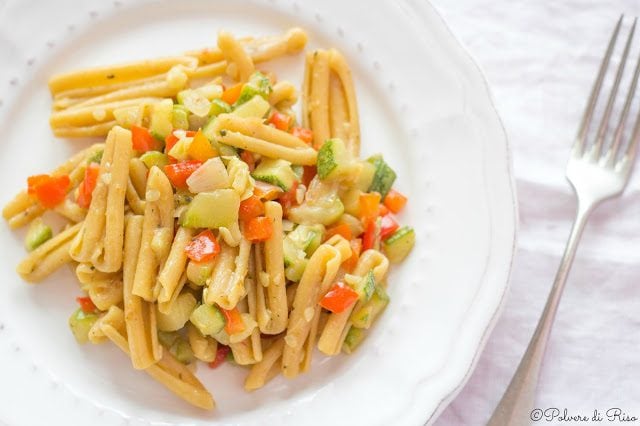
[
  {"x": 38, "y": 233},
  {"x": 168, "y": 338},
  {"x": 399, "y": 244},
  {"x": 332, "y": 156},
  {"x": 154, "y": 158},
  {"x": 255, "y": 107},
  {"x": 180, "y": 151},
  {"x": 194, "y": 101},
  {"x": 307, "y": 237},
  {"x": 182, "y": 351},
  {"x": 80, "y": 323},
  {"x": 354, "y": 337},
  {"x": 180, "y": 312},
  {"x": 208, "y": 319},
  {"x": 199, "y": 272},
  {"x": 96, "y": 157},
  {"x": 294, "y": 259},
  {"x": 258, "y": 84},
  {"x": 212, "y": 209},
  {"x": 209, "y": 129},
  {"x": 218, "y": 106},
  {"x": 364, "y": 316},
  {"x": 180, "y": 118},
  {"x": 365, "y": 286},
  {"x": 324, "y": 208},
  {"x": 383, "y": 177},
  {"x": 161, "y": 119},
  {"x": 294, "y": 271},
  {"x": 276, "y": 172}
]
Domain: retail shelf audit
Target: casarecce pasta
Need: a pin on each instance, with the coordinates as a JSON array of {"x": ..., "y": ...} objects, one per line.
[{"x": 210, "y": 224}]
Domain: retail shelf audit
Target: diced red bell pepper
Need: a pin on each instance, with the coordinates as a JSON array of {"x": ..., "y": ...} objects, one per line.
[
  {"x": 248, "y": 158},
  {"x": 221, "y": 355},
  {"x": 203, "y": 247},
  {"x": 258, "y": 229},
  {"x": 178, "y": 173},
  {"x": 302, "y": 133},
  {"x": 309, "y": 172},
  {"x": 339, "y": 298},
  {"x": 142, "y": 139},
  {"x": 388, "y": 225},
  {"x": 49, "y": 190},
  {"x": 288, "y": 199},
  {"x": 369, "y": 237},
  {"x": 87, "y": 186},
  {"x": 86, "y": 304},
  {"x": 250, "y": 208},
  {"x": 280, "y": 121}
]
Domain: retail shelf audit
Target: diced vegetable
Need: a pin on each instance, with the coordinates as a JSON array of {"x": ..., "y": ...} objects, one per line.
[
  {"x": 180, "y": 313},
  {"x": 96, "y": 157},
  {"x": 86, "y": 304},
  {"x": 258, "y": 84},
  {"x": 364, "y": 316},
  {"x": 212, "y": 209},
  {"x": 234, "y": 323},
  {"x": 218, "y": 106},
  {"x": 355, "y": 225},
  {"x": 266, "y": 191},
  {"x": 340, "y": 229},
  {"x": 280, "y": 121},
  {"x": 382, "y": 210},
  {"x": 388, "y": 225},
  {"x": 258, "y": 229},
  {"x": 333, "y": 159},
  {"x": 339, "y": 298},
  {"x": 203, "y": 247},
  {"x": 195, "y": 102},
  {"x": 248, "y": 158},
  {"x": 399, "y": 245},
  {"x": 294, "y": 260},
  {"x": 232, "y": 94},
  {"x": 199, "y": 272},
  {"x": 161, "y": 123},
  {"x": 210, "y": 91},
  {"x": 178, "y": 173},
  {"x": 301, "y": 133},
  {"x": 142, "y": 139},
  {"x": 276, "y": 172},
  {"x": 365, "y": 286},
  {"x": 352, "y": 340},
  {"x": 289, "y": 198},
  {"x": 383, "y": 178},
  {"x": 182, "y": 351},
  {"x": 254, "y": 107},
  {"x": 49, "y": 190},
  {"x": 307, "y": 237},
  {"x": 167, "y": 338},
  {"x": 38, "y": 233},
  {"x": 196, "y": 122},
  {"x": 221, "y": 355},
  {"x": 369, "y": 203},
  {"x": 395, "y": 201},
  {"x": 356, "y": 249},
  {"x": 80, "y": 323},
  {"x": 209, "y": 176},
  {"x": 200, "y": 148},
  {"x": 365, "y": 176},
  {"x": 209, "y": 319},
  {"x": 369, "y": 237},
  {"x": 180, "y": 117},
  {"x": 321, "y": 205},
  {"x": 250, "y": 208},
  {"x": 88, "y": 185},
  {"x": 154, "y": 158},
  {"x": 180, "y": 150}
]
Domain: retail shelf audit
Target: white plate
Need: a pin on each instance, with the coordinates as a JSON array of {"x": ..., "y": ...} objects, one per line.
[{"x": 423, "y": 102}]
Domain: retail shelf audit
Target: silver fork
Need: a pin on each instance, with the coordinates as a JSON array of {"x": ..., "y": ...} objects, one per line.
[{"x": 596, "y": 171}]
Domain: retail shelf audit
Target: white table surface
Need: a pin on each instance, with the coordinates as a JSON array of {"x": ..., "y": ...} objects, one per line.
[{"x": 540, "y": 58}]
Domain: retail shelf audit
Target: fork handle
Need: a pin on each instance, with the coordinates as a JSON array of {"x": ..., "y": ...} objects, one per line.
[{"x": 518, "y": 400}]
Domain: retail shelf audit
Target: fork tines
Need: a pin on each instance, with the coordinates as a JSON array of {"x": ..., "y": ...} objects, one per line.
[{"x": 595, "y": 149}]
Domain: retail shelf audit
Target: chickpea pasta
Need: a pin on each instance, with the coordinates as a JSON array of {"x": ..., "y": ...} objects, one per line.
[{"x": 210, "y": 224}]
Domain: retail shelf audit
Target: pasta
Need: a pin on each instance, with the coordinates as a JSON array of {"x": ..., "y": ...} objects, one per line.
[{"x": 210, "y": 225}]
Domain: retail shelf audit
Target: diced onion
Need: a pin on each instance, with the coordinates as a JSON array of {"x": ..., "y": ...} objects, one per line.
[{"x": 210, "y": 176}]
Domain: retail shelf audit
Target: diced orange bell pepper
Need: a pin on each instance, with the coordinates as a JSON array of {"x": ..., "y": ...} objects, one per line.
[
  {"x": 258, "y": 229},
  {"x": 395, "y": 201},
  {"x": 232, "y": 94},
  {"x": 203, "y": 247},
  {"x": 356, "y": 248},
  {"x": 142, "y": 139},
  {"x": 49, "y": 190},
  {"x": 250, "y": 208},
  {"x": 200, "y": 148},
  {"x": 234, "y": 322},
  {"x": 339, "y": 229},
  {"x": 248, "y": 158},
  {"x": 280, "y": 121},
  {"x": 369, "y": 206},
  {"x": 301, "y": 133}
]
